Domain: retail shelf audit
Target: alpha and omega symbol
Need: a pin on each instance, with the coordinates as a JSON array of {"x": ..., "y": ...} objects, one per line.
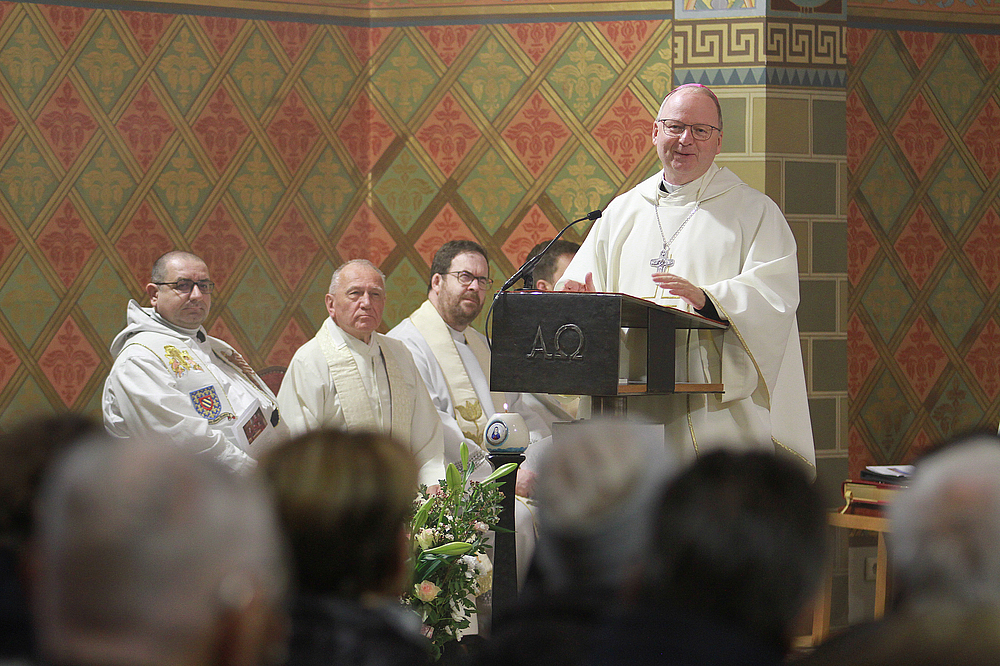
[{"x": 566, "y": 344}]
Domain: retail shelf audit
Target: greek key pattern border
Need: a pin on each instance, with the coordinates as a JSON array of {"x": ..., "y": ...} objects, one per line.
[{"x": 759, "y": 43}]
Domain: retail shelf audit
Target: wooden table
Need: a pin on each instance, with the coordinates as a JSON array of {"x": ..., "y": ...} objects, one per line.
[{"x": 877, "y": 524}]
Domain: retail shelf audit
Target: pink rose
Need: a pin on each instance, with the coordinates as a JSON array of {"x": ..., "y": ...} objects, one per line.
[{"x": 426, "y": 590}]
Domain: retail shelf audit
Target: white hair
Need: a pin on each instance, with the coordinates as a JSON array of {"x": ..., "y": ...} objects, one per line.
[
  {"x": 335, "y": 280},
  {"x": 945, "y": 539},
  {"x": 143, "y": 545},
  {"x": 596, "y": 489}
]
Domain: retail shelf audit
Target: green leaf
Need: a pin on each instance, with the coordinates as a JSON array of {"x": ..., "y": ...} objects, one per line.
[
  {"x": 427, "y": 566},
  {"x": 464, "y": 454},
  {"x": 503, "y": 470},
  {"x": 453, "y": 548}
]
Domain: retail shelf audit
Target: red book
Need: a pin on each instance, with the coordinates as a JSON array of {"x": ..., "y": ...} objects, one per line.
[{"x": 868, "y": 498}]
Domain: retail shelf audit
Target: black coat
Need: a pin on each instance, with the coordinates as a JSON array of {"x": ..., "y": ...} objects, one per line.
[{"x": 330, "y": 631}]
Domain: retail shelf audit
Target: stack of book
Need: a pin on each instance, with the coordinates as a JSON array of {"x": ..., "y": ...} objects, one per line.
[{"x": 874, "y": 491}]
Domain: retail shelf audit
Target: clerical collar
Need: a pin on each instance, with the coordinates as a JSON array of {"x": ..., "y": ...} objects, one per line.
[
  {"x": 457, "y": 336},
  {"x": 668, "y": 188},
  {"x": 190, "y": 332},
  {"x": 699, "y": 184},
  {"x": 360, "y": 347}
]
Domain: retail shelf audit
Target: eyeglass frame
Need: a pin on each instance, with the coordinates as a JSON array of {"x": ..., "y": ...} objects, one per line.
[
  {"x": 686, "y": 126},
  {"x": 481, "y": 279},
  {"x": 204, "y": 286}
]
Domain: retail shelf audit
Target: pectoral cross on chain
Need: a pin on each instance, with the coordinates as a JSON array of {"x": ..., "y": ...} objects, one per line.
[{"x": 663, "y": 261}]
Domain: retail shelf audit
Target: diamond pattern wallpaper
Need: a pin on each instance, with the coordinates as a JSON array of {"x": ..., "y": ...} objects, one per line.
[
  {"x": 276, "y": 150},
  {"x": 923, "y": 112}
]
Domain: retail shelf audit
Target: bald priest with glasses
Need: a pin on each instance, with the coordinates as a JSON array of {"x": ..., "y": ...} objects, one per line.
[
  {"x": 173, "y": 382},
  {"x": 695, "y": 237}
]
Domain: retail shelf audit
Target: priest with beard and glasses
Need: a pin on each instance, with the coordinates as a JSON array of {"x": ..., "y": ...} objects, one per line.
[{"x": 454, "y": 361}]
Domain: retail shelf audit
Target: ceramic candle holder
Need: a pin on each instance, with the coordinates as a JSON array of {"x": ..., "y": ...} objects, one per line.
[{"x": 506, "y": 433}]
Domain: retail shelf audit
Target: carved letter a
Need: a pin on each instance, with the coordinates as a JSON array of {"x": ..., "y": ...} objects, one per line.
[{"x": 538, "y": 346}]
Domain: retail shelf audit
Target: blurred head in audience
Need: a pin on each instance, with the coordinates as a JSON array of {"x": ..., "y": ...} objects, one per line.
[
  {"x": 147, "y": 553},
  {"x": 345, "y": 501},
  {"x": 740, "y": 539},
  {"x": 553, "y": 263},
  {"x": 596, "y": 488},
  {"x": 25, "y": 453},
  {"x": 945, "y": 539}
]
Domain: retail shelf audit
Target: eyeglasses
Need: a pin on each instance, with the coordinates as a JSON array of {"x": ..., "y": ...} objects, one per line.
[
  {"x": 699, "y": 131},
  {"x": 465, "y": 278},
  {"x": 185, "y": 286}
]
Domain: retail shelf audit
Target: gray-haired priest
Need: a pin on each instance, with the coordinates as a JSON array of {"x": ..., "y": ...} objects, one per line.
[
  {"x": 350, "y": 376},
  {"x": 174, "y": 382}
]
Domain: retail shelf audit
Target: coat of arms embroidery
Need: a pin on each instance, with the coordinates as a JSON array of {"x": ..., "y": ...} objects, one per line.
[
  {"x": 179, "y": 360},
  {"x": 207, "y": 404}
]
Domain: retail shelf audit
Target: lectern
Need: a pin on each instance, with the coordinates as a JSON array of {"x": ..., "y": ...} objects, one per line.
[{"x": 569, "y": 343}]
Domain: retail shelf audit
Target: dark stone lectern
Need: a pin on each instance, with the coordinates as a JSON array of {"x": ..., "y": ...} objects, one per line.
[
  {"x": 570, "y": 343},
  {"x": 561, "y": 342}
]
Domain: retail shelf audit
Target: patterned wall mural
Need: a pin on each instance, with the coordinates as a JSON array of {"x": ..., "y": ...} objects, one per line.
[
  {"x": 276, "y": 149},
  {"x": 923, "y": 111}
]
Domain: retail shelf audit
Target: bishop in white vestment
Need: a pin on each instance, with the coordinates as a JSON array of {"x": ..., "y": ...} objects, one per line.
[{"x": 698, "y": 238}]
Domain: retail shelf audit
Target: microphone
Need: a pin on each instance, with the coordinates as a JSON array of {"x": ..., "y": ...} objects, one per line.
[{"x": 525, "y": 269}]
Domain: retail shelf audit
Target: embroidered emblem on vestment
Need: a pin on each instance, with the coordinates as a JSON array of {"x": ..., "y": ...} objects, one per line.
[
  {"x": 208, "y": 406},
  {"x": 471, "y": 411},
  {"x": 180, "y": 360}
]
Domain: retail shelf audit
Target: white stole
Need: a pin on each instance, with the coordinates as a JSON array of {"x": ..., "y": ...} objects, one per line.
[
  {"x": 469, "y": 411},
  {"x": 353, "y": 396}
]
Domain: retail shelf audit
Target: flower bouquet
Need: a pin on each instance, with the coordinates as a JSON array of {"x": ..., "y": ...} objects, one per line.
[{"x": 450, "y": 566}]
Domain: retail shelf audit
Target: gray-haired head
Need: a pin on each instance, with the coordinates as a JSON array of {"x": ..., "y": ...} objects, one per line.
[
  {"x": 945, "y": 539},
  {"x": 335, "y": 279},
  {"x": 596, "y": 488},
  {"x": 144, "y": 549}
]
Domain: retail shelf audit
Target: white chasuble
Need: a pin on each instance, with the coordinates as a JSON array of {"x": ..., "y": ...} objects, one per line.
[
  {"x": 736, "y": 246},
  {"x": 337, "y": 381},
  {"x": 186, "y": 387}
]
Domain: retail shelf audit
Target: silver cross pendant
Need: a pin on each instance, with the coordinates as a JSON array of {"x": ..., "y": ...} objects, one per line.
[{"x": 663, "y": 261}]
